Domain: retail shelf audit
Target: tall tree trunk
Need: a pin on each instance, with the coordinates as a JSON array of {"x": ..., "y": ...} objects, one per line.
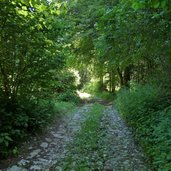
[
  {"x": 5, "y": 83},
  {"x": 127, "y": 76},
  {"x": 112, "y": 81}
]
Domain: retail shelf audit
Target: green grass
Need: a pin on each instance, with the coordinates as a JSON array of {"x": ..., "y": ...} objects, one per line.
[{"x": 85, "y": 150}]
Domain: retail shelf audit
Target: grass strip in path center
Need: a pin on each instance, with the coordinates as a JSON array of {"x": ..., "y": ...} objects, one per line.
[{"x": 85, "y": 151}]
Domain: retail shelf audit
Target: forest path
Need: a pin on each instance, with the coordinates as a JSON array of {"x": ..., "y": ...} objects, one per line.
[{"x": 117, "y": 145}]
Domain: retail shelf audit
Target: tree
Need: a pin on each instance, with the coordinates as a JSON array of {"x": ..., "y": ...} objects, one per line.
[{"x": 31, "y": 36}]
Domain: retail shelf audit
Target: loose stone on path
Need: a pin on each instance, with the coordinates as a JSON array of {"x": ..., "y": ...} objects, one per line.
[{"x": 123, "y": 153}]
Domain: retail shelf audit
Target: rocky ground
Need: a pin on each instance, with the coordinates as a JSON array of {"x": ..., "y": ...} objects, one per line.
[
  {"x": 123, "y": 153},
  {"x": 121, "y": 150}
]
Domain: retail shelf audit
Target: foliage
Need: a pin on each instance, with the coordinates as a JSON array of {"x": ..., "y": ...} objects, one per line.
[
  {"x": 66, "y": 88},
  {"x": 152, "y": 4},
  {"x": 69, "y": 96},
  {"x": 33, "y": 41},
  {"x": 148, "y": 112},
  {"x": 119, "y": 43},
  {"x": 30, "y": 38},
  {"x": 122, "y": 41},
  {"x": 136, "y": 99},
  {"x": 125, "y": 43}
]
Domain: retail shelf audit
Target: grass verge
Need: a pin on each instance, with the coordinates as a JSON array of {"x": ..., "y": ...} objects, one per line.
[{"x": 148, "y": 111}]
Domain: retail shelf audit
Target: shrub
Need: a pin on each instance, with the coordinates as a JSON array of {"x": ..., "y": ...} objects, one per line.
[
  {"x": 69, "y": 96},
  {"x": 40, "y": 115},
  {"x": 136, "y": 99}
]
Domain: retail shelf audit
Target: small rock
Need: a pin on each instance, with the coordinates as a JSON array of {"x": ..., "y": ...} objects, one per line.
[
  {"x": 35, "y": 168},
  {"x": 43, "y": 160},
  {"x": 16, "y": 168},
  {"x": 44, "y": 145},
  {"x": 57, "y": 136},
  {"x": 23, "y": 162},
  {"x": 126, "y": 162},
  {"x": 34, "y": 153},
  {"x": 30, "y": 148},
  {"x": 48, "y": 139}
]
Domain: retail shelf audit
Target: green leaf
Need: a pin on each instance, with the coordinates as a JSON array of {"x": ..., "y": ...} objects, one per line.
[
  {"x": 164, "y": 4},
  {"x": 156, "y": 4}
]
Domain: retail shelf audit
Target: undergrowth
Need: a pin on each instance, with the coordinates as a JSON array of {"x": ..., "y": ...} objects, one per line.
[
  {"x": 148, "y": 111},
  {"x": 105, "y": 95},
  {"x": 19, "y": 122}
]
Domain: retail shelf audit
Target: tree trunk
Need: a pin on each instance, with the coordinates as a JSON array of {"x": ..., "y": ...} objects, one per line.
[
  {"x": 112, "y": 81},
  {"x": 5, "y": 83},
  {"x": 127, "y": 76},
  {"x": 101, "y": 86}
]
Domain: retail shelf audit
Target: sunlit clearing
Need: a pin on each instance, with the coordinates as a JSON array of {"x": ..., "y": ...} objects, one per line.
[{"x": 84, "y": 95}]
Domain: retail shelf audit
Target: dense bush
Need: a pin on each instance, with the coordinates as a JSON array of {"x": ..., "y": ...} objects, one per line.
[
  {"x": 148, "y": 111},
  {"x": 69, "y": 96},
  {"x": 129, "y": 101}
]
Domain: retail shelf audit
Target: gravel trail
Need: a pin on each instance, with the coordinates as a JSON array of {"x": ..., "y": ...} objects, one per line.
[{"x": 120, "y": 150}]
